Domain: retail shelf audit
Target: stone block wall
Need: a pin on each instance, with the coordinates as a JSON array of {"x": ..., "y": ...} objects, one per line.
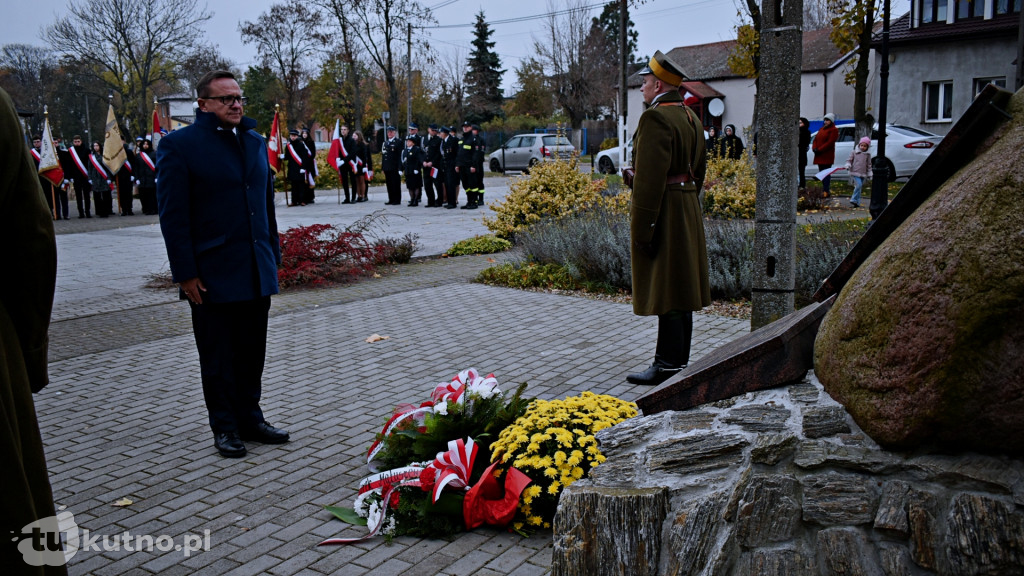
[{"x": 784, "y": 482}]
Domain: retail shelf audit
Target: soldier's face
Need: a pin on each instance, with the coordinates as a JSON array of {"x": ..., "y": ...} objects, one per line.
[{"x": 649, "y": 88}]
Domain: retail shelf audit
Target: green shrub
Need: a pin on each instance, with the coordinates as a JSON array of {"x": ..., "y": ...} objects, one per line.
[
  {"x": 609, "y": 143},
  {"x": 820, "y": 248},
  {"x": 593, "y": 245},
  {"x": 551, "y": 276},
  {"x": 487, "y": 244},
  {"x": 730, "y": 251},
  {"x": 551, "y": 190},
  {"x": 730, "y": 188}
]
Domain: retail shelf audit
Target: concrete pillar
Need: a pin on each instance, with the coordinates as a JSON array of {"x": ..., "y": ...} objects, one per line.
[{"x": 778, "y": 112}]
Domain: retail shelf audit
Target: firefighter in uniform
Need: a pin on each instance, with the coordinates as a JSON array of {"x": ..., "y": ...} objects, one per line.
[
  {"x": 465, "y": 165},
  {"x": 391, "y": 163}
]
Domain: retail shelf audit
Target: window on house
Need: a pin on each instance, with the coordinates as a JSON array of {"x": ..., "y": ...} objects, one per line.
[
  {"x": 933, "y": 11},
  {"x": 980, "y": 83},
  {"x": 938, "y": 101},
  {"x": 970, "y": 9},
  {"x": 1007, "y": 6}
]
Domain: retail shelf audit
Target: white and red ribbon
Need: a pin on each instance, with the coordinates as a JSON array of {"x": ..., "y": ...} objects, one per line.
[
  {"x": 401, "y": 414},
  {"x": 453, "y": 468},
  {"x": 148, "y": 161},
  {"x": 98, "y": 166},
  {"x": 78, "y": 162}
]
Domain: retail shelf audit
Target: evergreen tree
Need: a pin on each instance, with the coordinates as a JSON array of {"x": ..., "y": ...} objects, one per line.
[
  {"x": 483, "y": 76},
  {"x": 609, "y": 23}
]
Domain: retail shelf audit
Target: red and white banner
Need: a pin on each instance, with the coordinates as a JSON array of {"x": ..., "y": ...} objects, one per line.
[
  {"x": 274, "y": 145},
  {"x": 337, "y": 153},
  {"x": 49, "y": 167},
  {"x": 148, "y": 161},
  {"x": 156, "y": 134}
]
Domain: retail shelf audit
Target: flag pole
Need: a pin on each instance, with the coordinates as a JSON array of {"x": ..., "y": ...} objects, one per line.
[
  {"x": 277, "y": 112},
  {"x": 114, "y": 187},
  {"x": 53, "y": 193}
]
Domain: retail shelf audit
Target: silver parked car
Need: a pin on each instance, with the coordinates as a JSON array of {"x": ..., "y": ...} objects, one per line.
[
  {"x": 905, "y": 149},
  {"x": 522, "y": 151}
]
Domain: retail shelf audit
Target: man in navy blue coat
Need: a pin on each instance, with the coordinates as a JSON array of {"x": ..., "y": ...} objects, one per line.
[{"x": 216, "y": 202}]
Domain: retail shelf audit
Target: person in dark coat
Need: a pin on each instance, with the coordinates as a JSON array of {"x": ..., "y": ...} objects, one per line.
[
  {"x": 298, "y": 163},
  {"x": 669, "y": 251},
  {"x": 26, "y": 301},
  {"x": 364, "y": 165},
  {"x": 126, "y": 182},
  {"x": 413, "y": 168},
  {"x": 391, "y": 164},
  {"x": 433, "y": 184},
  {"x": 215, "y": 193},
  {"x": 145, "y": 176},
  {"x": 449, "y": 151},
  {"x": 345, "y": 172},
  {"x": 804, "y": 144},
  {"x": 465, "y": 165},
  {"x": 78, "y": 154},
  {"x": 713, "y": 142},
  {"x": 312, "y": 170},
  {"x": 731, "y": 145},
  {"x": 101, "y": 181}
]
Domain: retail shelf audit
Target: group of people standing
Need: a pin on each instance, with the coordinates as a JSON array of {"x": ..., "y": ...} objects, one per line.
[
  {"x": 727, "y": 145},
  {"x": 93, "y": 182},
  {"x": 437, "y": 162}
]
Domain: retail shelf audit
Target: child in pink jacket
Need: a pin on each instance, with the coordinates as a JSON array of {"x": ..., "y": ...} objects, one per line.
[{"x": 859, "y": 165}]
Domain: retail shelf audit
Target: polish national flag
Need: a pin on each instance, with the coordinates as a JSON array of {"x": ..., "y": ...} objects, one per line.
[
  {"x": 155, "y": 137},
  {"x": 49, "y": 167},
  {"x": 337, "y": 151},
  {"x": 275, "y": 148}
]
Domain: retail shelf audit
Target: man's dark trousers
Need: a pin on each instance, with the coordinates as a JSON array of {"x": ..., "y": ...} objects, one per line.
[{"x": 232, "y": 341}]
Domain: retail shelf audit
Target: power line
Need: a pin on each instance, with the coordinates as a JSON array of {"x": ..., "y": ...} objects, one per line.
[{"x": 523, "y": 18}]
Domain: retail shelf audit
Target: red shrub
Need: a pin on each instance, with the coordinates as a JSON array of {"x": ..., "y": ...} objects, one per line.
[{"x": 322, "y": 253}]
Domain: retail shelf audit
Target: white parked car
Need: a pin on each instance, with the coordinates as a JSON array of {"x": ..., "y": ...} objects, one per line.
[
  {"x": 607, "y": 161},
  {"x": 905, "y": 149}
]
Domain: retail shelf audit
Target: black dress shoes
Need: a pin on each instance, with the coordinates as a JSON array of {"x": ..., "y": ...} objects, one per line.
[
  {"x": 229, "y": 444},
  {"x": 265, "y": 433},
  {"x": 653, "y": 376}
]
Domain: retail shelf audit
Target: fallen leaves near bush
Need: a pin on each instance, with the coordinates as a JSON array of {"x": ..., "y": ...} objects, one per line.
[
  {"x": 123, "y": 502},
  {"x": 739, "y": 309},
  {"x": 376, "y": 338}
]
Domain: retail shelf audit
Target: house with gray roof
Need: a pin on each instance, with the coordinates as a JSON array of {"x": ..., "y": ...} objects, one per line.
[
  {"x": 942, "y": 53},
  {"x": 822, "y": 87}
]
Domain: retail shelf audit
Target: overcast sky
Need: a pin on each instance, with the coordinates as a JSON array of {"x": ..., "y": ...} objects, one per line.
[{"x": 662, "y": 24}]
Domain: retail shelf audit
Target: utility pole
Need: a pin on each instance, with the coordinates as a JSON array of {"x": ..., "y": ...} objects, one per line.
[
  {"x": 879, "y": 169},
  {"x": 408, "y": 74},
  {"x": 623, "y": 67},
  {"x": 778, "y": 103},
  {"x": 88, "y": 125}
]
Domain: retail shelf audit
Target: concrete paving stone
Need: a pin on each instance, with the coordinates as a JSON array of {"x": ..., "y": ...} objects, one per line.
[
  {"x": 468, "y": 564},
  {"x": 225, "y": 566},
  {"x": 339, "y": 560},
  {"x": 510, "y": 559},
  {"x": 295, "y": 563},
  {"x": 530, "y": 570},
  {"x": 125, "y": 563},
  {"x": 258, "y": 548},
  {"x": 379, "y": 554}
]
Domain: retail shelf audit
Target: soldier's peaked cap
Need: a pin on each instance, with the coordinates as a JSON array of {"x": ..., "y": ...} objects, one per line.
[
  {"x": 445, "y": 129},
  {"x": 392, "y": 128},
  {"x": 664, "y": 69}
]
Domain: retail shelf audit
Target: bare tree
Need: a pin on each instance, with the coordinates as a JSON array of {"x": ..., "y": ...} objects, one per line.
[
  {"x": 25, "y": 73},
  {"x": 816, "y": 15},
  {"x": 349, "y": 52},
  {"x": 202, "y": 58},
  {"x": 451, "y": 66},
  {"x": 563, "y": 50},
  {"x": 286, "y": 38},
  {"x": 379, "y": 25},
  {"x": 131, "y": 45}
]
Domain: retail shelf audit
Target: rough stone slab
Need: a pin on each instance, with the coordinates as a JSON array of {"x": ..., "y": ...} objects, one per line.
[
  {"x": 988, "y": 473},
  {"x": 768, "y": 512},
  {"x": 776, "y": 354},
  {"x": 618, "y": 471},
  {"x": 758, "y": 418},
  {"x": 695, "y": 454},
  {"x": 985, "y": 536},
  {"x": 838, "y": 500},
  {"x": 845, "y": 551},
  {"x": 691, "y": 420},
  {"x": 770, "y": 449},
  {"x": 780, "y": 562},
  {"x": 608, "y": 531},
  {"x": 627, "y": 433},
  {"x": 804, "y": 392},
  {"x": 814, "y": 454},
  {"x": 892, "y": 510},
  {"x": 692, "y": 537},
  {"x": 922, "y": 512},
  {"x": 823, "y": 422},
  {"x": 894, "y": 559}
]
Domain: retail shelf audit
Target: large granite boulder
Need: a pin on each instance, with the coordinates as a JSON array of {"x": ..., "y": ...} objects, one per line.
[{"x": 924, "y": 346}]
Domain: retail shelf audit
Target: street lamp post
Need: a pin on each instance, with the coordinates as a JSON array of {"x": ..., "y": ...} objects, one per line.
[{"x": 880, "y": 168}]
